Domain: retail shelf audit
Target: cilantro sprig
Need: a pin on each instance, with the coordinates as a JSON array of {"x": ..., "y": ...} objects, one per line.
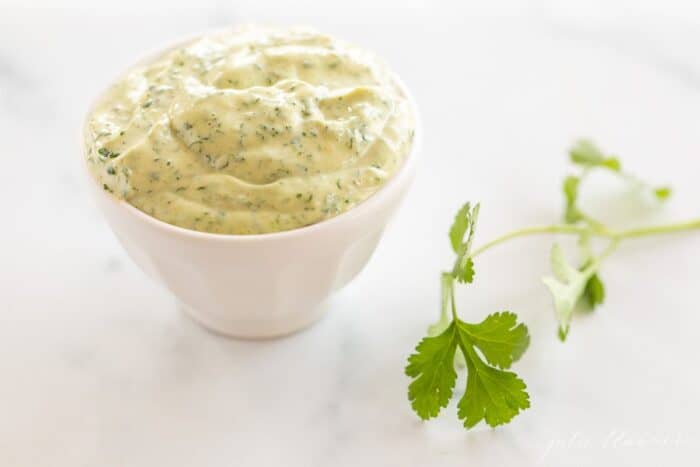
[{"x": 488, "y": 349}]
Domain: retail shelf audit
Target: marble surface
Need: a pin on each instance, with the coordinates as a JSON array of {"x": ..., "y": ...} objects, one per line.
[{"x": 98, "y": 367}]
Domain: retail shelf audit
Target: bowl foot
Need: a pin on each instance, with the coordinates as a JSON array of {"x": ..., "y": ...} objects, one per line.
[{"x": 255, "y": 329}]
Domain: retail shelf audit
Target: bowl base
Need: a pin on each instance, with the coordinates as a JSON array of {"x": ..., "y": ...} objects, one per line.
[{"x": 254, "y": 330}]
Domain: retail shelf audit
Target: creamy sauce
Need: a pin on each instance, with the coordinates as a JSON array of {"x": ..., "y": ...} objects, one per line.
[{"x": 252, "y": 131}]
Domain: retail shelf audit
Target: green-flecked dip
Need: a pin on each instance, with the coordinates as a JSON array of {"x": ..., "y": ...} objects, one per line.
[{"x": 251, "y": 131}]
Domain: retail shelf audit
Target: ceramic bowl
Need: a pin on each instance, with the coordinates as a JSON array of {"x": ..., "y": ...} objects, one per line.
[{"x": 258, "y": 286}]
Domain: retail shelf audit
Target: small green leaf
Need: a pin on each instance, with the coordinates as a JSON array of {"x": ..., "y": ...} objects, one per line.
[
  {"x": 495, "y": 396},
  {"x": 561, "y": 269},
  {"x": 587, "y": 154},
  {"x": 492, "y": 395},
  {"x": 459, "y": 227},
  {"x": 432, "y": 367},
  {"x": 663, "y": 193},
  {"x": 463, "y": 228},
  {"x": 612, "y": 163},
  {"x": 499, "y": 337},
  {"x": 562, "y": 332},
  {"x": 567, "y": 286},
  {"x": 594, "y": 292},
  {"x": 461, "y": 237},
  {"x": 464, "y": 271}
]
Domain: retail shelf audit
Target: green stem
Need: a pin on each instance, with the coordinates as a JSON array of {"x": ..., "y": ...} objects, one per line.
[
  {"x": 452, "y": 298},
  {"x": 568, "y": 229},
  {"x": 446, "y": 286},
  {"x": 659, "y": 229},
  {"x": 598, "y": 226},
  {"x": 537, "y": 230}
]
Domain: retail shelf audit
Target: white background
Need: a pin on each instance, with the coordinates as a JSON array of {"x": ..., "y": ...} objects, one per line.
[{"x": 97, "y": 366}]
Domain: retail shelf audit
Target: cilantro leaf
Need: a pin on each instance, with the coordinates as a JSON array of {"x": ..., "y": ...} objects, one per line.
[
  {"x": 432, "y": 367},
  {"x": 499, "y": 338},
  {"x": 663, "y": 193},
  {"x": 587, "y": 154},
  {"x": 492, "y": 394},
  {"x": 464, "y": 270},
  {"x": 460, "y": 226},
  {"x": 594, "y": 292},
  {"x": 567, "y": 286},
  {"x": 464, "y": 225},
  {"x": 461, "y": 237},
  {"x": 612, "y": 163}
]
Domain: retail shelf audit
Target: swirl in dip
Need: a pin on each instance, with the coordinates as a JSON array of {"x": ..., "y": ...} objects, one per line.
[{"x": 251, "y": 131}]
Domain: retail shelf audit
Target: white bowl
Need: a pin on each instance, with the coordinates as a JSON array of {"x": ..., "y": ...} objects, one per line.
[{"x": 258, "y": 286}]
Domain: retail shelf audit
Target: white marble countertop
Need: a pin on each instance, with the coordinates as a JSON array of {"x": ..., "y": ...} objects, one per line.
[{"x": 98, "y": 368}]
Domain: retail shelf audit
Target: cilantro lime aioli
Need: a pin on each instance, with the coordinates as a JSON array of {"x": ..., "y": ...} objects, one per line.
[{"x": 253, "y": 131}]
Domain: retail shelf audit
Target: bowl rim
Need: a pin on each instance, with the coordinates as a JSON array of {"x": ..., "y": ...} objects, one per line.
[{"x": 402, "y": 176}]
